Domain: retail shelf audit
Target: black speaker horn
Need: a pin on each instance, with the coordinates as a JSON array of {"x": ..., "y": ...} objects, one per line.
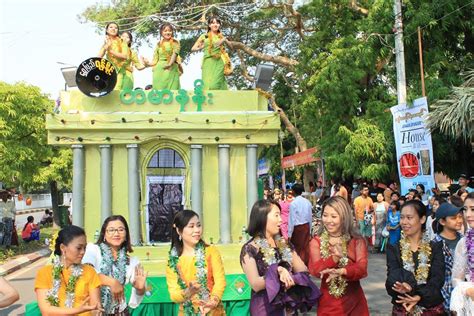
[{"x": 96, "y": 77}]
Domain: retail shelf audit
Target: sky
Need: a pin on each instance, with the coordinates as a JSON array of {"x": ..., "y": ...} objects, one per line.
[{"x": 39, "y": 37}]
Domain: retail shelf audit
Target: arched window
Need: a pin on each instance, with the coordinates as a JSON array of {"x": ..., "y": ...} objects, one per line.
[{"x": 166, "y": 158}]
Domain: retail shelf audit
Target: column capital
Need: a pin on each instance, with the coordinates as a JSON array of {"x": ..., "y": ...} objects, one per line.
[
  {"x": 223, "y": 146},
  {"x": 132, "y": 146},
  {"x": 196, "y": 146},
  {"x": 105, "y": 146},
  {"x": 252, "y": 146},
  {"x": 77, "y": 146}
]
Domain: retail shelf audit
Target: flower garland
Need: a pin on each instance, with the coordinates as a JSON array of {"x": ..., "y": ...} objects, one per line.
[
  {"x": 116, "y": 269},
  {"x": 173, "y": 49},
  {"x": 201, "y": 275},
  {"x": 337, "y": 285},
  {"x": 470, "y": 252},
  {"x": 424, "y": 252},
  {"x": 269, "y": 253},
  {"x": 52, "y": 295},
  {"x": 211, "y": 46}
]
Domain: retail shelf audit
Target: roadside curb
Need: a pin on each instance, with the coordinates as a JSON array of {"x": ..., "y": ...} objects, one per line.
[
  {"x": 33, "y": 210},
  {"x": 23, "y": 261}
]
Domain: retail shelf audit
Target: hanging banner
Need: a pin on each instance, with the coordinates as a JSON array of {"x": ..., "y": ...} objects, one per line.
[
  {"x": 414, "y": 147},
  {"x": 299, "y": 159}
]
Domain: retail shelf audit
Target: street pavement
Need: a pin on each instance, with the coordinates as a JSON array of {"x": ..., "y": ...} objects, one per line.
[
  {"x": 20, "y": 218},
  {"x": 373, "y": 285}
]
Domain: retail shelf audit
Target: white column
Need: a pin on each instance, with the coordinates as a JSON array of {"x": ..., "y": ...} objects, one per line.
[
  {"x": 224, "y": 193},
  {"x": 78, "y": 185}
]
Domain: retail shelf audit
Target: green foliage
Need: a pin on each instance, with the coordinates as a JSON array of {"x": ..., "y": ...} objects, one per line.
[{"x": 25, "y": 158}]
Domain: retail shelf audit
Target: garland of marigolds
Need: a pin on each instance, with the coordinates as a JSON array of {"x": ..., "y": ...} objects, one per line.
[
  {"x": 52, "y": 295},
  {"x": 424, "y": 253},
  {"x": 201, "y": 274},
  {"x": 337, "y": 285}
]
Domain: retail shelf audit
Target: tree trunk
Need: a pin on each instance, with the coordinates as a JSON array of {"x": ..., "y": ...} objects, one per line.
[{"x": 53, "y": 186}]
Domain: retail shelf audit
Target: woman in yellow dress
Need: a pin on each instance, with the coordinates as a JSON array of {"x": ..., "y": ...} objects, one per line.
[
  {"x": 116, "y": 51},
  {"x": 213, "y": 64},
  {"x": 166, "y": 68},
  {"x": 68, "y": 287},
  {"x": 132, "y": 61},
  {"x": 195, "y": 273}
]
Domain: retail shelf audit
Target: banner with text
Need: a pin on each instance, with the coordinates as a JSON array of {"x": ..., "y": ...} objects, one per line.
[{"x": 413, "y": 144}]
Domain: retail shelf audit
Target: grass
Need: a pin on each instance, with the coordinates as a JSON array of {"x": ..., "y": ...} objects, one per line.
[{"x": 26, "y": 248}]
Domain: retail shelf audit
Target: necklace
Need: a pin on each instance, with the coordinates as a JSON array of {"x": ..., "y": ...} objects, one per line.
[
  {"x": 270, "y": 254},
  {"x": 424, "y": 252},
  {"x": 52, "y": 295},
  {"x": 338, "y": 285},
  {"x": 201, "y": 275},
  {"x": 116, "y": 269}
]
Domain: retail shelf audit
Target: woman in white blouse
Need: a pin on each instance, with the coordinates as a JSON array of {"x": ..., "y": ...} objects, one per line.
[
  {"x": 110, "y": 258},
  {"x": 463, "y": 267}
]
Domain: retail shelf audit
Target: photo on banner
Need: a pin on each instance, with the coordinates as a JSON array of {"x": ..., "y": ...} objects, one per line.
[{"x": 413, "y": 144}]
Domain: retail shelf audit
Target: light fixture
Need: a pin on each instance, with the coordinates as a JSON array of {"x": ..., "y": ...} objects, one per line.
[
  {"x": 263, "y": 76},
  {"x": 69, "y": 74}
]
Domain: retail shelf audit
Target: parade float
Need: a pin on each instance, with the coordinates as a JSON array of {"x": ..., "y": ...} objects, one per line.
[{"x": 147, "y": 154}]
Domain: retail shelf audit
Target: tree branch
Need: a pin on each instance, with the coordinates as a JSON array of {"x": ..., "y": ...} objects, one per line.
[
  {"x": 358, "y": 8},
  {"x": 300, "y": 141},
  {"x": 279, "y": 60}
]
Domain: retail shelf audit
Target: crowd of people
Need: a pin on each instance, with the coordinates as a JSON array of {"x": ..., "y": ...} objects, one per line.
[
  {"x": 166, "y": 62},
  {"x": 426, "y": 275}
]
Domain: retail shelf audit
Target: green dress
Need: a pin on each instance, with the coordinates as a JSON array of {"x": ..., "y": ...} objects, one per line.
[
  {"x": 212, "y": 65},
  {"x": 166, "y": 79},
  {"x": 131, "y": 62},
  {"x": 118, "y": 46}
]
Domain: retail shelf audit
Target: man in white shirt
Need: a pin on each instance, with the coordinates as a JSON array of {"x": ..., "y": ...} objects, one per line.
[{"x": 299, "y": 223}]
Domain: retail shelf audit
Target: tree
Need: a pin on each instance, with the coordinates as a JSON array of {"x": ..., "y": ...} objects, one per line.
[
  {"x": 26, "y": 161},
  {"x": 336, "y": 57}
]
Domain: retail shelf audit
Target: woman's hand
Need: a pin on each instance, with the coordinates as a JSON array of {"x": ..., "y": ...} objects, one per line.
[
  {"x": 402, "y": 288},
  {"x": 140, "y": 278},
  {"x": 212, "y": 303},
  {"x": 193, "y": 289},
  {"x": 333, "y": 273},
  {"x": 117, "y": 291},
  {"x": 85, "y": 307},
  {"x": 285, "y": 277},
  {"x": 408, "y": 301},
  {"x": 470, "y": 293},
  {"x": 167, "y": 67}
]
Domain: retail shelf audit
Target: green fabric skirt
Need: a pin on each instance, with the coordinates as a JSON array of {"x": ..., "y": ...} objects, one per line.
[
  {"x": 166, "y": 79},
  {"x": 213, "y": 74}
]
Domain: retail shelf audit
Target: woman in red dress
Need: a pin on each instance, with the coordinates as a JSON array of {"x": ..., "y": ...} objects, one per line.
[{"x": 338, "y": 255}]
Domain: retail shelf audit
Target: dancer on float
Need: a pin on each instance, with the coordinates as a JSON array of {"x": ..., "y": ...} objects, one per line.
[
  {"x": 166, "y": 60},
  {"x": 110, "y": 257},
  {"x": 195, "y": 273},
  {"x": 463, "y": 267},
  {"x": 68, "y": 287},
  {"x": 213, "y": 63},
  {"x": 279, "y": 279},
  {"x": 116, "y": 51},
  {"x": 415, "y": 266},
  {"x": 338, "y": 255},
  {"x": 131, "y": 62}
]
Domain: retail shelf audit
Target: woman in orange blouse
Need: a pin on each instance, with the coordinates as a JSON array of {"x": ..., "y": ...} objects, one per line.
[
  {"x": 195, "y": 273},
  {"x": 54, "y": 281}
]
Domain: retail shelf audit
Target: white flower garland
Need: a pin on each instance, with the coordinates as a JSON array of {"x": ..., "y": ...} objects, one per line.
[
  {"x": 269, "y": 253},
  {"x": 115, "y": 269},
  {"x": 52, "y": 295}
]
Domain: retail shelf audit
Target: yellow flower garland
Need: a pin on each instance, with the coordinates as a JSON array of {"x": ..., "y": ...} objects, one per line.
[
  {"x": 338, "y": 285},
  {"x": 424, "y": 253}
]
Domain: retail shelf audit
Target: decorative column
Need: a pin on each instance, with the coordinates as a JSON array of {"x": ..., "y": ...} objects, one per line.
[
  {"x": 224, "y": 193},
  {"x": 105, "y": 182},
  {"x": 78, "y": 185},
  {"x": 133, "y": 194},
  {"x": 196, "y": 179},
  {"x": 252, "y": 176}
]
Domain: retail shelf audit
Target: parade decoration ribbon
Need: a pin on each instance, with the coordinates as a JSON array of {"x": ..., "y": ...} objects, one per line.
[
  {"x": 337, "y": 285},
  {"x": 116, "y": 269},
  {"x": 52, "y": 295},
  {"x": 201, "y": 275},
  {"x": 269, "y": 253}
]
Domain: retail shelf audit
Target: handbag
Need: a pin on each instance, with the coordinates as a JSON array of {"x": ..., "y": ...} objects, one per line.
[{"x": 367, "y": 218}]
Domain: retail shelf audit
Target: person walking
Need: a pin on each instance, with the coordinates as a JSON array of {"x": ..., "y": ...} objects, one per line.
[
  {"x": 7, "y": 213},
  {"x": 364, "y": 209},
  {"x": 299, "y": 223}
]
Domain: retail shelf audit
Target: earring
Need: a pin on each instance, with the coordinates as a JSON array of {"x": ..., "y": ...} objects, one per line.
[{"x": 179, "y": 238}]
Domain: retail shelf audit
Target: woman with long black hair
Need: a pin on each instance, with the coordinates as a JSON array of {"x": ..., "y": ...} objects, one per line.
[{"x": 195, "y": 273}]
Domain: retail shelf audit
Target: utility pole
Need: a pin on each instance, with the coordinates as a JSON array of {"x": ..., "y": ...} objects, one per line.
[{"x": 400, "y": 54}]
